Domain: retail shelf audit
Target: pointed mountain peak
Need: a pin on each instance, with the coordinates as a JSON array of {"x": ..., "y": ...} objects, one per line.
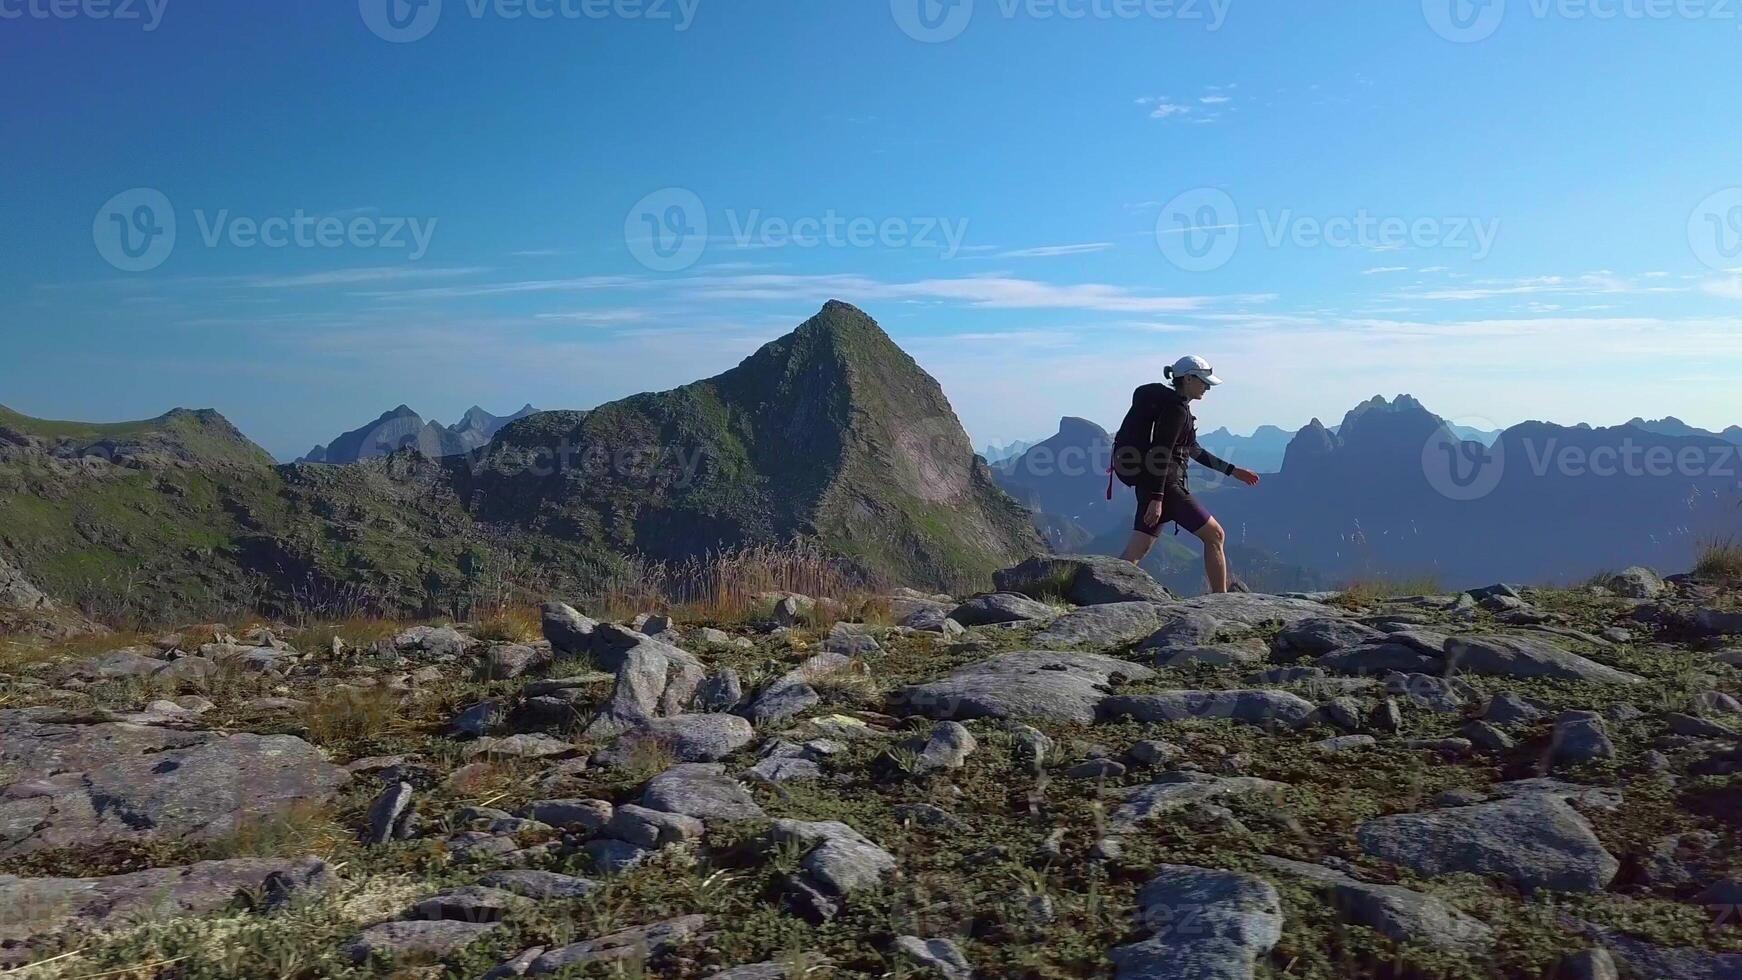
[{"x": 1080, "y": 431}]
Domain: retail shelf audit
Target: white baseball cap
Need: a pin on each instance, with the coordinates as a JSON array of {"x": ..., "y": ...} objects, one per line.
[{"x": 1194, "y": 366}]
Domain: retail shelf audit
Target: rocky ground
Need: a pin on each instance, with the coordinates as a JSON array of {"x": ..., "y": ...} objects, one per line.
[{"x": 1076, "y": 776}]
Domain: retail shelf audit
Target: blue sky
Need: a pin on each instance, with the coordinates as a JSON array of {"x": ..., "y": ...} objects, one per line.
[{"x": 1532, "y": 216}]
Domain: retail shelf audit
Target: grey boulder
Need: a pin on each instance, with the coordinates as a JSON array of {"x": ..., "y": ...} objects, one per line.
[{"x": 1028, "y": 683}]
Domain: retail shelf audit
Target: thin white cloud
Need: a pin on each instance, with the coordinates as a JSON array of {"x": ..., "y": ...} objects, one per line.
[
  {"x": 1052, "y": 251},
  {"x": 1724, "y": 288},
  {"x": 1384, "y": 269}
]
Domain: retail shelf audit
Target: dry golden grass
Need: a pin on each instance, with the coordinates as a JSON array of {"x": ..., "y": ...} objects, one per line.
[
  {"x": 346, "y": 714},
  {"x": 1366, "y": 592},
  {"x": 355, "y": 632},
  {"x": 728, "y": 586},
  {"x": 1720, "y": 558},
  {"x": 511, "y": 624}
]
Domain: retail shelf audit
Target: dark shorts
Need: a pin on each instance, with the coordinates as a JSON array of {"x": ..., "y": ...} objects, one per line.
[{"x": 1178, "y": 506}]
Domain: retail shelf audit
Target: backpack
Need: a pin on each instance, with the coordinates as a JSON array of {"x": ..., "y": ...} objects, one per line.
[{"x": 1131, "y": 447}]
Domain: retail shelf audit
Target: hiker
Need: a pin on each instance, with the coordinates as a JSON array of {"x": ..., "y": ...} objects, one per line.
[{"x": 1149, "y": 454}]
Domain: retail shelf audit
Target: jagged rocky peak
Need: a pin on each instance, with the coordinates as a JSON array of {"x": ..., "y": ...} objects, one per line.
[
  {"x": 1313, "y": 442},
  {"x": 1080, "y": 432}
]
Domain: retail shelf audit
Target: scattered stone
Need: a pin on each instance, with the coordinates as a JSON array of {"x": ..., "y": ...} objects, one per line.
[
  {"x": 588, "y": 815},
  {"x": 1082, "y": 580},
  {"x": 1510, "y": 709},
  {"x": 1636, "y": 582},
  {"x": 723, "y": 691},
  {"x": 793, "y": 693},
  {"x": 569, "y": 632},
  {"x": 638, "y": 944},
  {"x": 539, "y": 884},
  {"x": 1232, "y": 654},
  {"x": 1344, "y": 743},
  {"x": 1378, "y": 657},
  {"x": 1029, "y": 683},
  {"x": 1095, "y": 769},
  {"x": 687, "y": 738},
  {"x": 470, "y": 903},
  {"x": 651, "y": 829},
  {"x": 480, "y": 719},
  {"x": 1579, "y": 737},
  {"x": 1249, "y": 706},
  {"x": 1386, "y": 716},
  {"x": 948, "y": 747},
  {"x": 1206, "y": 924},
  {"x": 389, "y": 814},
  {"x": 709, "y": 636},
  {"x": 1698, "y": 727},
  {"x": 851, "y": 640},
  {"x": 1173, "y": 790},
  {"x": 432, "y": 642},
  {"x": 1486, "y": 737},
  {"x": 612, "y": 856},
  {"x": 839, "y": 859},
  {"x": 1716, "y": 703},
  {"x": 505, "y": 661},
  {"x": 417, "y": 939},
  {"x": 703, "y": 791},
  {"x": 521, "y": 747},
  {"x": 1152, "y": 752},
  {"x": 1318, "y": 636},
  {"x": 940, "y": 955},
  {"x": 1000, "y": 607}
]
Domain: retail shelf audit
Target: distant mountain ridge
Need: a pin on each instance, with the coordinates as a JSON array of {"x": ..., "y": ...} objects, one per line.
[
  {"x": 831, "y": 434},
  {"x": 403, "y": 428}
]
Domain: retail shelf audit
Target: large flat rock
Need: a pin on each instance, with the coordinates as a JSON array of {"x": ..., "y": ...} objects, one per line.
[
  {"x": 1524, "y": 656},
  {"x": 72, "y": 784},
  {"x": 1529, "y": 835},
  {"x": 1026, "y": 684},
  {"x": 33, "y": 908},
  {"x": 1112, "y": 624},
  {"x": 1403, "y": 914}
]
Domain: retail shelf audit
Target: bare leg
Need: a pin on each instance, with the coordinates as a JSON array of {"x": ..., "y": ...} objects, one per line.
[
  {"x": 1138, "y": 547},
  {"x": 1215, "y": 559}
]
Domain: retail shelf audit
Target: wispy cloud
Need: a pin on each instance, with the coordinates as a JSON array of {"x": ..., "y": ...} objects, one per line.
[
  {"x": 1384, "y": 269},
  {"x": 1051, "y": 251}
]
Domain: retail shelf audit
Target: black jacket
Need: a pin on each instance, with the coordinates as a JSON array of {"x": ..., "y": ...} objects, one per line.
[{"x": 1159, "y": 435}]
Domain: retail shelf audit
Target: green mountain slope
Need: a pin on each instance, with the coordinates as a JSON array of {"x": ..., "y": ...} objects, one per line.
[{"x": 830, "y": 432}]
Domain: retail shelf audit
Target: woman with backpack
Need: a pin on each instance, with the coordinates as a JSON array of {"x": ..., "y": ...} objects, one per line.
[{"x": 1159, "y": 436}]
